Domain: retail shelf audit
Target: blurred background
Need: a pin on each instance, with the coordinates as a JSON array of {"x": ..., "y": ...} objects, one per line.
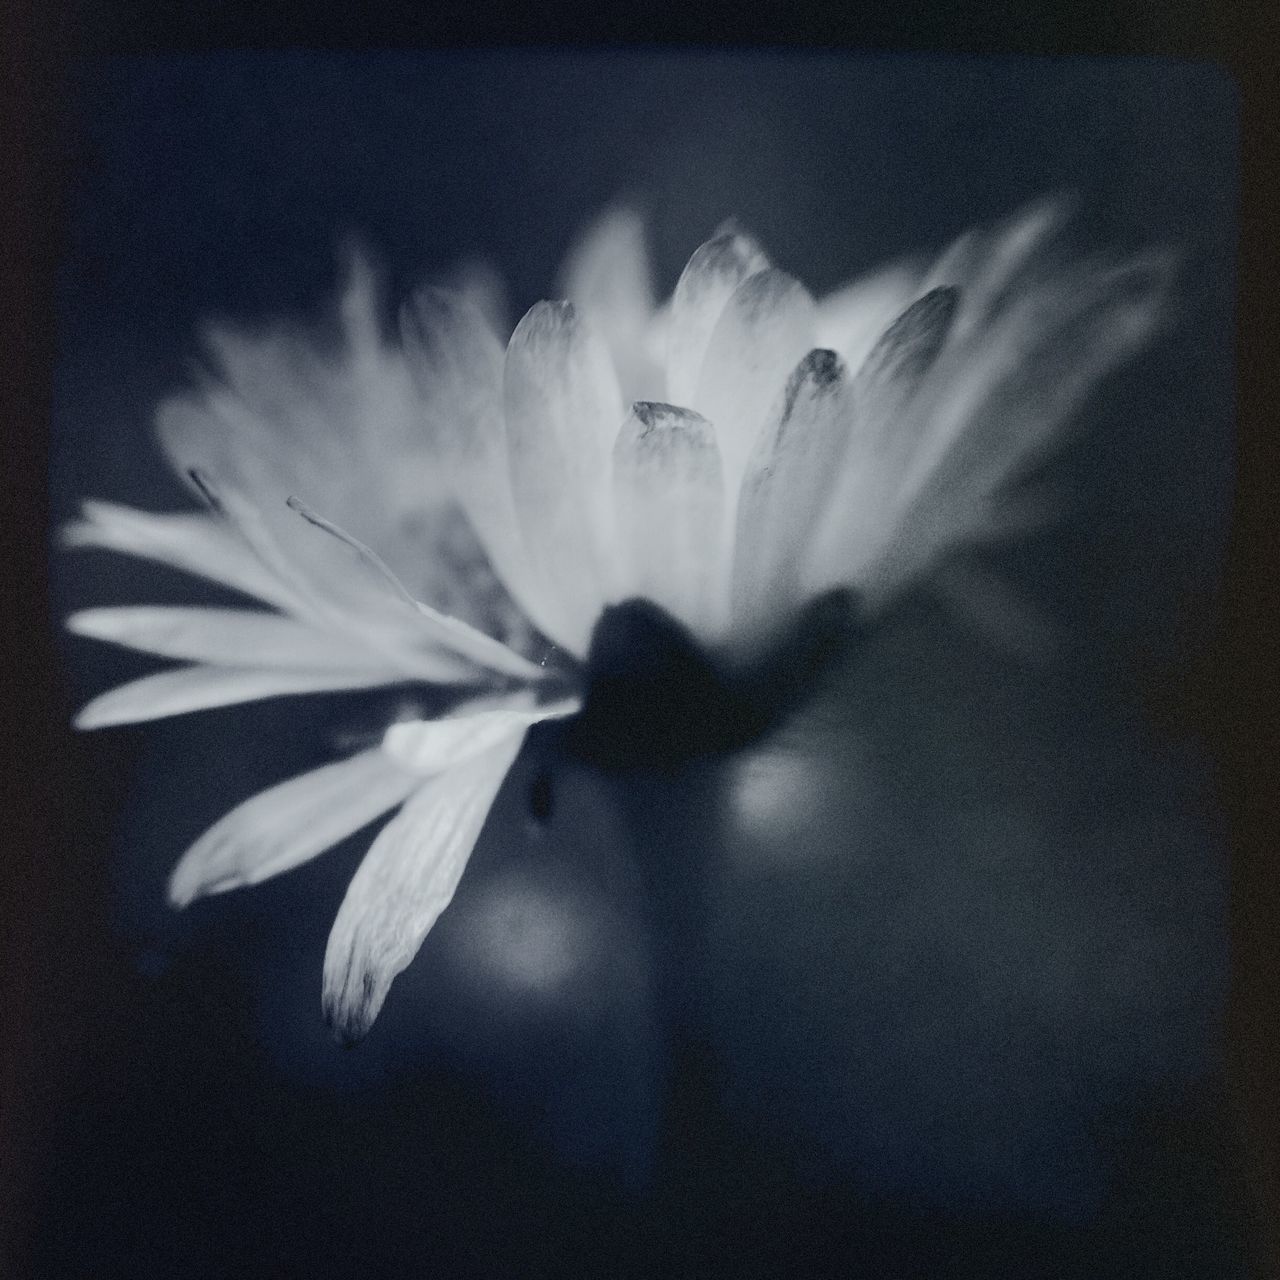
[{"x": 966, "y": 958}]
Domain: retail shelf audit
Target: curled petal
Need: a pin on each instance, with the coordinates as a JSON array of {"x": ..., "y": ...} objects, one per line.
[
  {"x": 289, "y": 824},
  {"x": 669, "y": 499},
  {"x": 716, "y": 269},
  {"x": 406, "y": 880}
]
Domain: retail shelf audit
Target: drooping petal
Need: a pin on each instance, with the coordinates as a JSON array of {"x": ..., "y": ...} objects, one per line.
[
  {"x": 428, "y": 747},
  {"x": 563, "y": 409},
  {"x": 716, "y": 269},
  {"x": 790, "y": 474},
  {"x": 224, "y": 636},
  {"x": 607, "y": 276},
  {"x": 171, "y": 693},
  {"x": 406, "y": 880},
  {"x": 669, "y": 499},
  {"x": 192, "y": 542},
  {"x": 764, "y": 330},
  {"x": 287, "y": 825}
]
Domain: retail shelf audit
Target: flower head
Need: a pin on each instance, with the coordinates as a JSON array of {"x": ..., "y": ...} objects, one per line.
[{"x": 452, "y": 511}]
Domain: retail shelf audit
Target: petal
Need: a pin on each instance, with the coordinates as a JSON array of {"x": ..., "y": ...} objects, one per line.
[
  {"x": 996, "y": 403},
  {"x": 224, "y": 636},
  {"x": 607, "y": 276},
  {"x": 884, "y": 438},
  {"x": 563, "y": 408},
  {"x": 440, "y": 632},
  {"x": 764, "y": 330},
  {"x": 406, "y": 880},
  {"x": 716, "y": 269},
  {"x": 428, "y": 747},
  {"x": 850, "y": 320},
  {"x": 990, "y": 266},
  {"x": 789, "y": 476},
  {"x": 171, "y": 693},
  {"x": 892, "y": 374},
  {"x": 457, "y": 364},
  {"x": 289, "y": 824},
  {"x": 195, "y": 543},
  {"x": 669, "y": 500}
]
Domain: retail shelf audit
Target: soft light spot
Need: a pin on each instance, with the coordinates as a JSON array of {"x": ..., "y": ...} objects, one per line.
[
  {"x": 771, "y": 795},
  {"x": 525, "y": 937}
]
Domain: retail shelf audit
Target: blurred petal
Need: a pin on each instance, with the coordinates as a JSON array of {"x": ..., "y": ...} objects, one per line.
[
  {"x": 563, "y": 409},
  {"x": 289, "y": 824},
  {"x": 765, "y": 328},
  {"x": 789, "y": 475},
  {"x": 607, "y": 276},
  {"x": 427, "y": 747},
  {"x": 406, "y": 880},
  {"x": 170, "y": 693},
  {"x": 225, "y": 636},
  {"x": 850, "y": 320},
  {"x": 457, "y": 364},
  {"x": 991, "y": 406},
  {"x": 669, "y": 500},
  {"x": 439, "y": 632},
  {"x": 285, "y": 410},
  {"x": 716, "y": 269},
  {"x": 988, "y": 265},
  {"x": 194, "y": 543}
]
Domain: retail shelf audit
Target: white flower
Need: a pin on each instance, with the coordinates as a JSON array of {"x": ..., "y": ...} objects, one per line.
[{"x": 459, "y": 515}]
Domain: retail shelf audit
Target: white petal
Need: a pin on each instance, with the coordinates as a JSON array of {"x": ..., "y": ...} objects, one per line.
[
  {"x": 996, "y": 403},
  {"x": 171, "y": 693},
  {"x": 286, "y": 411},
  {"x": 850, "y": 320},
  {"x": 195, "y": 543},
  {"x": 289, "y": 824},
  {"x": 563, "y": 409},
  {"x": 790, "y": 474},
  {"x": 990, "y": 266},
  {"x": 884, "y": 439},
  {"x": 607, "y": 276},
  {"x": 716, "y": 269},
  {"x": 457, "y": 364},
  {"x": 224, "y": 636},
  {"x": 764, "y": 330},
  {"x": 428, "y": 747},
  {"x": 406, "y": 880},
  {"x": 669, "y": 500},
  {"x": 443, "y": 634}
]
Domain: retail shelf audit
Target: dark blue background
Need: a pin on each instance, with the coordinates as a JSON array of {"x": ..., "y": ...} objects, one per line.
[{"x": 985, "y": 951}]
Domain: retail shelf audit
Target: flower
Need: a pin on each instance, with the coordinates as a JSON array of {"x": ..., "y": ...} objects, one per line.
[{"x": 446, "y": 511}]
